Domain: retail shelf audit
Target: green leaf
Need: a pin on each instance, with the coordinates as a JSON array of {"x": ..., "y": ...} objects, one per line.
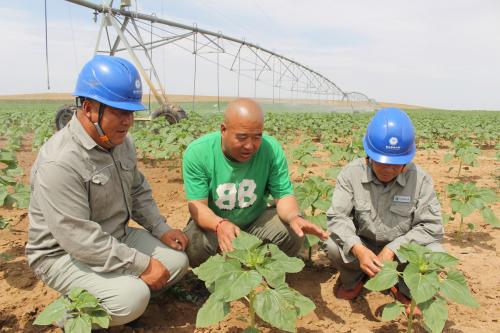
[
  {"x": 487, "y": 195},
  {"x": 100, "y": 317},
  {"x": 8, "y": 158},
  {"x": 3, "y": 195},
  {"x": 386, "y": 278},
  {"x": 332, "y": 173},
  {"x": 272, "y": 307},
  {"x": 319, "y": 220},
  {"x": 454, "y": 287},
  {"x": 413, "y": 252},
  {"x": 18, "y": 200},
  {"x": 242, "y": 256},
  {"x": 245, "y": 241},
  {"x": 55, "y": 311},
  {"x": 467, "y": 209},
  {"x": 422, "y": 286},
  {"x": 273, "y": 277},
  {"x": 74, "y": 293},
  {"x": 7, "y": 180},
  {"x": 280, "y": 262},
  {"x": 456, "y": 206},
  {"x": 3, "y": 222},
  {"x": 448, "y": 157},
  {"x": 214, "y": 267},
  {"x": 322, "y": 205},
  {"x": 302, "y": 304},
  {"x": 213, "y": 311},
  {"x": 435, "y": 313},
  {"x": 393, "y": 310},
  {"x": 310, "y": 241},
  {"x": 85, "y": 300},
  {"x": 79, "y": 324},
  {"x": 234, "y": 285},
  {"x": 16, "y": 172},
  {"x": 442, "y": 259},
  {"x": 490, "y": 217}
]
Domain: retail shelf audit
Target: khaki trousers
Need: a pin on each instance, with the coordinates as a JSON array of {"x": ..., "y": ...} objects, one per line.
[
  {"x": 125, "y": 297},
  {"x": 268, "y": 227}
]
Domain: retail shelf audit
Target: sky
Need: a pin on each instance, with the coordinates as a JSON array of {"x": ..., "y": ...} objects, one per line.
[{"x": 443, "y": 54}]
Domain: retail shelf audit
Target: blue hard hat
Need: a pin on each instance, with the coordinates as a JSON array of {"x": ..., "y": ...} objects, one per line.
[
  {"x": 390, "y": 137},
  {"x": 112, "y": 81}
]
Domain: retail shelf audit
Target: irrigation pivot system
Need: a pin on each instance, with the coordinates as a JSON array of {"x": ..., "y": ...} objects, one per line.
[{"x": 278, "y": 77}]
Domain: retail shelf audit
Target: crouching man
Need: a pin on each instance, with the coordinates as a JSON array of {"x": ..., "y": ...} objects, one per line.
[
  {"x": 379, "y": 203},
  {"x": 85, "y": 188}
]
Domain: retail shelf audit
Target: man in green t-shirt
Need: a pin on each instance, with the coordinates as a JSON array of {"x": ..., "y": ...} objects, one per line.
[{"x": 228, "y": 176}]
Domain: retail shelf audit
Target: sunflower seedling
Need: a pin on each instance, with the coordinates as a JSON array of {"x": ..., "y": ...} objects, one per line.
[
  {"x": 432, "y": 281},
  {"x": 466, "y": 198},
  {"x": 77, "y": 311},
  {"x": 255, "y": 272}
]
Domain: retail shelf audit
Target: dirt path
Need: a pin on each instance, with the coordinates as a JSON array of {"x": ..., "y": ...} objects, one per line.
[{"x": 23, "y": 296}]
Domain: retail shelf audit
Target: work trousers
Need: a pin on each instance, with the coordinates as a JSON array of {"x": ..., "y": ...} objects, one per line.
[
  {"x": 125, "y": 297},
  {"x": 268, "y": 227}
]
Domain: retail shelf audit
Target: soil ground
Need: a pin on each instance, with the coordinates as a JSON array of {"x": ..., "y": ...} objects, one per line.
[{"x": 23, "y": 297}]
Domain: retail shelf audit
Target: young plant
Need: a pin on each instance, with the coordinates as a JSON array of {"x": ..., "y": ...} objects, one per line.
[
  {"x": 466, "y": 198},
  {"x": 77, "y": 311},
  {"x": 432, "y": 281},
  {"x": 303, "y": 154},
  {"x": 12, "y": 193},
  {"x": 4, "y": 222},
  {"x": 255, "y": 272},
  {"x": 466, "y": 153},
  {"x": 354, "y": 149},
  {"x": 314, "y": 196}
]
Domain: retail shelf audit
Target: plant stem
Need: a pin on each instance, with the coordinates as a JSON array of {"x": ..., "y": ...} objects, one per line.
[
  {"x": 251, "y": 297},
  {"x": 461, "y": 227},
  {"x": 459, "y": 167},
  {"x": 410, "y": 317}
]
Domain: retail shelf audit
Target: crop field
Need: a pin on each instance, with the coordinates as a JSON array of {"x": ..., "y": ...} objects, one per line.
[{"x": 459, "y": 149}]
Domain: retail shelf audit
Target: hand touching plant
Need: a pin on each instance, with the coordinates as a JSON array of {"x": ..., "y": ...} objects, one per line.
[{"x": 255, "y": 272}]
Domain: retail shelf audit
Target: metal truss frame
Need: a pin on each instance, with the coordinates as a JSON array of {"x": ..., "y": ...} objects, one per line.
[{"x": 124, "y": 30}]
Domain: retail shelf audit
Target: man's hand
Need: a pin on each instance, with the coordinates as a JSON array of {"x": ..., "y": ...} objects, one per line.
[
  {"x": 386, "y": 255},
  {"x": 302, "y": 226},
  {"x": 226, "y": 232},
  {"x": 175, "y": 239},
  {"x": 156, "y": 275},
  {"x": 368, "y": 261}
]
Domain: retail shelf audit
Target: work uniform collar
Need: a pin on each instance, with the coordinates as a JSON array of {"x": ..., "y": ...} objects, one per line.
[{"x": 76, "y": 128}]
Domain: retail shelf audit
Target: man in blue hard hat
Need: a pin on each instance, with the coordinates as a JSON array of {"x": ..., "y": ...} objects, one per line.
[
  {"x": 380, "y": 203},
  {"x": 85, "y": 189}
]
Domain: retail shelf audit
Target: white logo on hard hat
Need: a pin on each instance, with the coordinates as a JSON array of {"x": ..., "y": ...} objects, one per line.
[
  {"x": 393, "y": 141},
  {"x": 138, "y": 84}
]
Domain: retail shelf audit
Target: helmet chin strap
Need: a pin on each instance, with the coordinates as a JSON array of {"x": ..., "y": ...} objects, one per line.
[{"x": 102, "y": 136}]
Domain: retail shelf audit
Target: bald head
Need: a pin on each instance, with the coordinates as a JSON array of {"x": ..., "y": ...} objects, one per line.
[
  {"x": 243, "y": 110},
  {"x": 242, "y": 129}
]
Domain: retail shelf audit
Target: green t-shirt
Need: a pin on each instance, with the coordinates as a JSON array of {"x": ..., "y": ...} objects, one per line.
[{"x": 236, "y": 191}]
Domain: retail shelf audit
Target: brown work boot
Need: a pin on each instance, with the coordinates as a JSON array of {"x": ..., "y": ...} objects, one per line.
[
  {"x": 399, "y": 296},
  {"x": 349, "y": 294}
]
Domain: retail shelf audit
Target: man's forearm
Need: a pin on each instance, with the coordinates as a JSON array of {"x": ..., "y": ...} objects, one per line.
[
  {"x": 287, "y": 208},
  {"x": 203, "y": 215}
]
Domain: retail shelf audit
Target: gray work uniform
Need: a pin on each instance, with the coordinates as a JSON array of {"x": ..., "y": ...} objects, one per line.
[
  {"x": 82, "y": 197},
  {"x": 365, "y": 211}
]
